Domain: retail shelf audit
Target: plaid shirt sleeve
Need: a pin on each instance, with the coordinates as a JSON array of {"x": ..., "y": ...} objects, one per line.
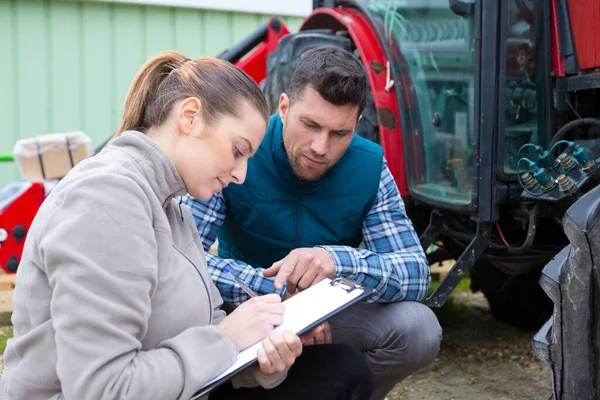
[
  {"x": 393, "y": 262},
  {"x": 209, "y": 216}
]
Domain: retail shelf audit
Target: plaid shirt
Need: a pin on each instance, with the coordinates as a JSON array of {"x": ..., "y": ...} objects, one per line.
[{"x": 393, "y": 262}]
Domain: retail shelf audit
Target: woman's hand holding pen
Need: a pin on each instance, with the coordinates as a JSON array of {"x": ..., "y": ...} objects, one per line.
[{"x": 253, "y": 320}]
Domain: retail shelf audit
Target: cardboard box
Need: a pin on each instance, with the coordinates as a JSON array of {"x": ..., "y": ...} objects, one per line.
[{"x": 51, "y": 156}]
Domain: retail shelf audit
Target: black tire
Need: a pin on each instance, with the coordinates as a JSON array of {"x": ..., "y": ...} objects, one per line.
[
  {"x": 515, "y": 299},
  {"x": 282, "y": 62}
]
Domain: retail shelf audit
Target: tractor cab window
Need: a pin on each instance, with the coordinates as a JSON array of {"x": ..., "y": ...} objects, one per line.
[
  {"x": 433, "y": 60},
  {"x": 525, "y": 95}
]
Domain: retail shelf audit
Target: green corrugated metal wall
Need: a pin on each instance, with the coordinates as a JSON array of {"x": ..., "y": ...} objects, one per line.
[{"x": 67, "y": 65}]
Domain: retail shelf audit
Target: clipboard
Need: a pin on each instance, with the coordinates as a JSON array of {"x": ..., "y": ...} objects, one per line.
[{"x": 303, "y": 312}]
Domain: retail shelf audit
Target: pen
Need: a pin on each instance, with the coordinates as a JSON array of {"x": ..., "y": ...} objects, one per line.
[{"x": 237, "y": 280}]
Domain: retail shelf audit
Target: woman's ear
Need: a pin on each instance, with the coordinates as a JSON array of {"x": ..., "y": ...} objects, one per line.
[
  {"x": 284, "y": 105},
  {"x": 190, "y": 111}
]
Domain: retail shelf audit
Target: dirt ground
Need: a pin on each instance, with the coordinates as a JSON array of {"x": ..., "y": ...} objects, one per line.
[{"x": 480, "y": 359}]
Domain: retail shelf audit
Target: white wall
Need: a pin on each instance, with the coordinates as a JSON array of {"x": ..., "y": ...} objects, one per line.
[{"x": 298, "y": 8}]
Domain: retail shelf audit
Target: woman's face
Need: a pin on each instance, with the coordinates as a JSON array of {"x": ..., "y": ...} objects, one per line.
[{"x": 211, "y": 156}]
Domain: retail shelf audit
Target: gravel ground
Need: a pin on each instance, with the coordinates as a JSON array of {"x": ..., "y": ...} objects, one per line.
[{"x": 480, "y": 359}]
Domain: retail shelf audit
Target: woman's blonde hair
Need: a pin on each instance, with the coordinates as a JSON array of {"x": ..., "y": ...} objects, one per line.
[{"x": 170, "y": 76}]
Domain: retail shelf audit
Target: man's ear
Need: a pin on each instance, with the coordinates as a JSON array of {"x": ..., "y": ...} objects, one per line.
[
  {"x": 189, "y": 113},
  {"x": 284, "y": 106}
]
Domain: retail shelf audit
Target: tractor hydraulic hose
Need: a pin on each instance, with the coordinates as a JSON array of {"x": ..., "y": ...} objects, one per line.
[
  {"x": 562, "y": 132},
  {"x": 530, "y": 233}
]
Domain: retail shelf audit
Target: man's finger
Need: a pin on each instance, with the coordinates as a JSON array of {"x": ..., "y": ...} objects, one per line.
[
  {"x": 308, "y": 337},
  {"x": 285, "y": 270},
  {"x": 315, "y": 331},
  {"x": 320, "y": 338},
  {"x": 307, "y": 279},
  {"x": 273, "y": 269},
  {"x": 327, "y": 332},
  {"x": 297, "y": 274},
  {"x": 307, "y": 341}
]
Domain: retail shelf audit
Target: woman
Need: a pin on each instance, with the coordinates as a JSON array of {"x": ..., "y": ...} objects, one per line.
[{"x": 114, "y": 300}]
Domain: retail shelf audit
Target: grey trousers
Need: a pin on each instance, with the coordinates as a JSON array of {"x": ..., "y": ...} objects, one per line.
[{"x": 397, "y": 339}]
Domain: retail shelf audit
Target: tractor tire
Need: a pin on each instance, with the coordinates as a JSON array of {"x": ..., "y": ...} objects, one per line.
[
  {"x": 282, "y": 62},
  {"x": 515, "y": 299}
]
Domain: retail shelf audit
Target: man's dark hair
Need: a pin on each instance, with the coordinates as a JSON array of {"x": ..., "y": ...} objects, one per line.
[{"x": 336, "y": 74}]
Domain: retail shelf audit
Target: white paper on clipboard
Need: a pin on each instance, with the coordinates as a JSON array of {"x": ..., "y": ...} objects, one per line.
[{"x": 304, "y": 311}]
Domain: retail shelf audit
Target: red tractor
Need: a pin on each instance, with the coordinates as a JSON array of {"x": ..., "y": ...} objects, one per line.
[{"x": 486, "y": 112}]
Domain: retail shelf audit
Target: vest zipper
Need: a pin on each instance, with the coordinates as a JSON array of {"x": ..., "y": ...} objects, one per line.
[
  {"x": 298, "y": 204},
  {"x": 210, "y": 311}
]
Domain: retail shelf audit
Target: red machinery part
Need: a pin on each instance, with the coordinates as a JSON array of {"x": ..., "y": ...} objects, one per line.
[
  {"x": 585, "y": 24},
  {"x": 558, "y": 63},
  {"x": 376, "y": 64},
  {"x": 15, "y": 220},
  {"x": 255, "y": 64}
]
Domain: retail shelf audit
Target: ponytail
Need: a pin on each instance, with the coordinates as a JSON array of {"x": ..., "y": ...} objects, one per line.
[
  {"x": 144, "y": 87},
  {"x": 168, "y": 77}
]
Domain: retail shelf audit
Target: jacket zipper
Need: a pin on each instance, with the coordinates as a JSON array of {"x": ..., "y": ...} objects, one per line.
[
  {"x": 210, "y": 311},
  {"x": 298, "y": 205}
]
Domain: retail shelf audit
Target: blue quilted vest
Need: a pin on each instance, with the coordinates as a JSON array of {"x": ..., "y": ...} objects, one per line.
[{"x": 274, "y": 212}]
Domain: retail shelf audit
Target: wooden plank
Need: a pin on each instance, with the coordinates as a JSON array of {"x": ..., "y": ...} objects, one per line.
[
  {"x": 6, "y": 304},
  {"x": 8, "y": 277},
  {"x": 7, "y": 281},
  {"x": 7, "y": 289},
  {"x": 442, "y": 268}
]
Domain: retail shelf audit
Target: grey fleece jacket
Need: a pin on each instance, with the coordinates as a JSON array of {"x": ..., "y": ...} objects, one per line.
[{"x": 113, "y": 299}]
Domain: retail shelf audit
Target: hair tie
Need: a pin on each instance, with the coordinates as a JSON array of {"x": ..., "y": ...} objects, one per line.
[{"x": 175, "y": 69}]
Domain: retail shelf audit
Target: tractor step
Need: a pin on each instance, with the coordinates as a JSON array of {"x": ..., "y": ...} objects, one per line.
[
  {"x": 542, "y": 342},
  {"x": 550, "y": 278}
]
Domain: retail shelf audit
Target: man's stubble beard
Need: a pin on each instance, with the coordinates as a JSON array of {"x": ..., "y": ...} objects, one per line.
[{"x": 296, "y": 163}]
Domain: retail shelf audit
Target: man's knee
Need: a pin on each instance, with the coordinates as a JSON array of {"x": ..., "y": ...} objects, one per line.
[{"x": 413, "y": 337}]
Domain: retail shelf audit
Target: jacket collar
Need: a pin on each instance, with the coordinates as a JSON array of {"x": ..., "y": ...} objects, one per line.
[{"x": 152, "y": 163}]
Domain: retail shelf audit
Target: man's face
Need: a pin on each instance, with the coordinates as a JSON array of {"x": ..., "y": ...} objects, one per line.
[{"x": 316, "y": 133}]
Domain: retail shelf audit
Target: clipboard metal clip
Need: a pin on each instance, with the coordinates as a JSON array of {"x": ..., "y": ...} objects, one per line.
[{"x": 347, "y": 284}]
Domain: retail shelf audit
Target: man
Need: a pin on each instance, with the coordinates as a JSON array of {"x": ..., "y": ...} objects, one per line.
[{"x": 313, "y": 192}]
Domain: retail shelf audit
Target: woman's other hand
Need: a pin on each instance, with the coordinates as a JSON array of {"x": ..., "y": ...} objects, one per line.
[
  {"x": 253, "y": 320},
  {"x": 278, "y": 352}
]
